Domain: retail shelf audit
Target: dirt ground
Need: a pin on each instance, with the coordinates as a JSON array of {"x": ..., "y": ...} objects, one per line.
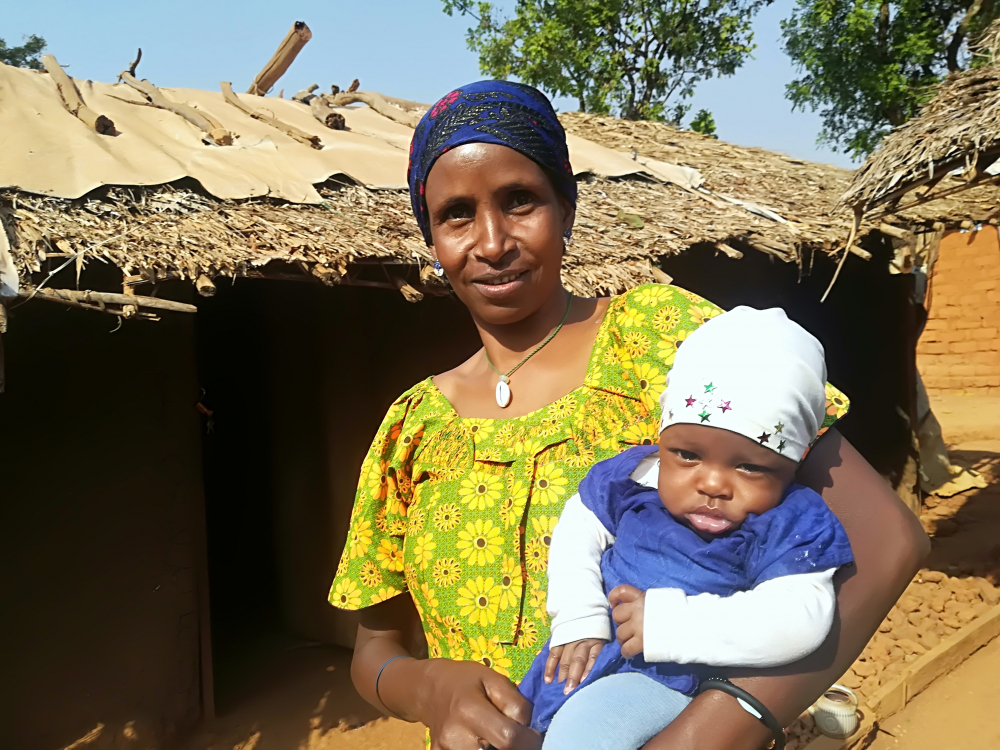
[
  {"x": 303, "y": 699},
  {"x": 956, "y": 711}
]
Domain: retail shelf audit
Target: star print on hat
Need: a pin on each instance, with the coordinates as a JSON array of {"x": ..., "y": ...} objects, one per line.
[{"x": 752, "y": 372}]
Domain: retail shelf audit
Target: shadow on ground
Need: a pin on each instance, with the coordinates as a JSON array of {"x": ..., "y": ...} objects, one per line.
[{"x": 303, "y": 699}]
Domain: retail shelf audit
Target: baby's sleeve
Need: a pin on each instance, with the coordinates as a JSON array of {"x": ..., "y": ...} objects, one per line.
[
  {"x": 779, "y": 622},
  {"x": 576, "y": 600}
]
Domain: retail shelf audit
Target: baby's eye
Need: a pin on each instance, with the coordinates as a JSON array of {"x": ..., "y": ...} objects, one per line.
[
  {"x": 685, "y": 455},
  {"x": 753, "y": 469}
]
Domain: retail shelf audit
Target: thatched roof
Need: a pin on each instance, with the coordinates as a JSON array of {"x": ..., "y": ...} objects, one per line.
[
  {"x": 801, "y": 193},
  {"x": 958, "y": 130},
  {"x": 676, "y": 190}
]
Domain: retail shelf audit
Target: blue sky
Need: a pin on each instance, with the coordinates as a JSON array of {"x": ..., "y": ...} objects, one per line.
[{"x": 404, "y": 48}]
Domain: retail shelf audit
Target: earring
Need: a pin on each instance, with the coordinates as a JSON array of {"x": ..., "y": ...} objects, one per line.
[
  {"x": 438, "y": 271},
  {"x": 568, "y": 237}
]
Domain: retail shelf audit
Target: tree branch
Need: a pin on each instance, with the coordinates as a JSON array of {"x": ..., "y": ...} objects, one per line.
[
  {"x": 300, "y": 135},
  {"x": 201, "y": 120},
  {"x": 72, "y": 100},
  {"x": 378, "y": 103},
  {"x": 135, "y": 62},
  {"x": 288, "y": 50},
  {"x": 960, "y": 34}
]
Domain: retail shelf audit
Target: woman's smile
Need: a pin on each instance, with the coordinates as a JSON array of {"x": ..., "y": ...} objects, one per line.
[{"x": 501, "y": 285}]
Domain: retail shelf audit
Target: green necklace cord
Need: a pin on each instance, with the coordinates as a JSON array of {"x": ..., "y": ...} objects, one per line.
[{"x": 505, "y": 378}]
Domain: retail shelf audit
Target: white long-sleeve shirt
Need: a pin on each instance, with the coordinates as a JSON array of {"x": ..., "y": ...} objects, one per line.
[{"x": 778, "y": 622}]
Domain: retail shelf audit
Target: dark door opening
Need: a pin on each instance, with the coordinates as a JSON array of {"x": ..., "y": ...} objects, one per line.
[
  {"x": 298, "y": 377},
  {"x": 242, "y": 562}
]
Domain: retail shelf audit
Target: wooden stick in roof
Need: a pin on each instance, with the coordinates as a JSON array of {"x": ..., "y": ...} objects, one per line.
[
  {"x": 378, "y": 103},
  {"x": 99, "y": 300},
  {"x": 200, "y": 119},
  {"x": 288, "y": 50},
  {"x": 300, "y": 135},
  {"x": 72, "y": 100}
]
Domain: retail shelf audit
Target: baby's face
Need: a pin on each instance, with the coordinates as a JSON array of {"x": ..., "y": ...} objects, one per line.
[{"x": 711, "y": 479}]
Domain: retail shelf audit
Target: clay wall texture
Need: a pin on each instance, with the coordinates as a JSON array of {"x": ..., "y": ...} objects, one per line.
[{"x": 959, "y": 350}]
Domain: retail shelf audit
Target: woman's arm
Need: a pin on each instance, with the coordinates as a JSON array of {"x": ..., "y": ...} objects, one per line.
[
  {"x": 462, "y": 702},
  {"x": 888, "y": 544}
]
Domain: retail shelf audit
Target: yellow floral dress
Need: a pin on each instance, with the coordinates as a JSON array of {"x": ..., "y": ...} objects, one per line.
[{"x": 459, "y": 512}]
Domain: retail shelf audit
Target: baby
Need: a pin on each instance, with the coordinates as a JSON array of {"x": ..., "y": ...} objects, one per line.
[{"x": 710, "y": 555}]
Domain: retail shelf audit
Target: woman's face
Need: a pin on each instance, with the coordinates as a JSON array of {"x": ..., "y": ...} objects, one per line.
[{"x": 497, "y": 224}]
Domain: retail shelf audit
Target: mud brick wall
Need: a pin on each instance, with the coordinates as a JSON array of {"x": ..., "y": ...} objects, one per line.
[{"x": 959, "y": 350}]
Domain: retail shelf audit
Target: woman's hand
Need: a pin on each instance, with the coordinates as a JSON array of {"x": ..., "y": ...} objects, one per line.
[
  {"x": 628, "y": 604},
  {"x": 468, "y": 706},
  {"x": 574, "y": 660}
]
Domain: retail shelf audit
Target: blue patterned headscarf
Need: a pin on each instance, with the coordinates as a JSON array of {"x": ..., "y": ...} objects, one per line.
[{"x": 500, "y": 112}]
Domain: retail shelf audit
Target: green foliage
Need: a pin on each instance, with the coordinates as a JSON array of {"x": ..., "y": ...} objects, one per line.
[
  {"x": 704, "y": 123},
  {"x": 868, "y": 65},
  {"x": 638, "y": 58},
  {"x": 25, "y": 56}
]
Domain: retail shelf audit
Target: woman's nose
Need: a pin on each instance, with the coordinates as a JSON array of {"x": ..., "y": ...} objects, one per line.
[{"x": 492, "y": 238}]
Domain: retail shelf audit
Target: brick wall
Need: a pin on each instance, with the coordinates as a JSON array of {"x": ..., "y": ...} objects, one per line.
[{"x": 959, "y": 350}]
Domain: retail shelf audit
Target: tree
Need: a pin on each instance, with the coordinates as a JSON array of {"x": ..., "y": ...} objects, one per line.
[
  {"x": 639, "y": 58},
  {"x": 704, "y": 123},
  {"x": 26, "y": 56},
  {"x": 869, "y": 64}
]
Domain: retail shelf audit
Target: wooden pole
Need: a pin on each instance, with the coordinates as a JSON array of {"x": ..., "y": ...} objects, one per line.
[
  {"x": 288, "y": 50},
  {"x": 378, "y": 103},
  {"x": 300, "y": 135},
  {"x": 322, "y": 111},
  {"x": 895, "y": 232},
  {"x": 407, "y": 105},
  {"x": 72, "y": 100},
  {"x": 205, "y": 286},
  {"x": 201, "y": 120},
  {"x": 97, "y": 300}
]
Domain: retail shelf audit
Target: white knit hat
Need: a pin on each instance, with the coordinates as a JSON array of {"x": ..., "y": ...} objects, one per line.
[{"x": 752, "y": 372}]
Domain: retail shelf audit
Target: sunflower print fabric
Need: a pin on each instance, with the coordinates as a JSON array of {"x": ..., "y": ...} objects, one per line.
[{"x": 459, "y": 513}]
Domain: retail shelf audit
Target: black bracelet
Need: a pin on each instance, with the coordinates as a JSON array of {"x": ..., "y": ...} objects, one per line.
[{"x": 752, "y": 706}]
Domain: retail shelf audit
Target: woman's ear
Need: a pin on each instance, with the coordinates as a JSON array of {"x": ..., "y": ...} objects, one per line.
[{"x": 568, "y": 213}]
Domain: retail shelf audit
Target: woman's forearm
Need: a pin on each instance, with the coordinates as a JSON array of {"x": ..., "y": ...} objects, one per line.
[
  {"x": 384, "y": 630},
  {"x": 888, "y": 544}
]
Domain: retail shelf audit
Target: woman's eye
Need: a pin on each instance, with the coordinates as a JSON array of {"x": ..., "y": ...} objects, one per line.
[
  {"x": 458, "y": 212},
  {"x": 521, "y": 198}
]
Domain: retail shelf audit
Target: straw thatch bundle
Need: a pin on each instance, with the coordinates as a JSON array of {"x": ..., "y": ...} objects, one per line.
[
  {"x": 749, "y": 200},
  {"x": 945, "y": 150},
  {"x": 623, "y": 227}
]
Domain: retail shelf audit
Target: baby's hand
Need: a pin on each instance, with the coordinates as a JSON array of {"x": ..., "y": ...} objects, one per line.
[
  {"x": 574, "y": 660},
  {"x": 627, "y": 606}
]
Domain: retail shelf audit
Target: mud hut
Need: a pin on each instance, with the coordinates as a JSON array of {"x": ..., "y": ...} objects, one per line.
[
  {"x": 209, "y": 301},
  {"x": 942, "y": 166}
]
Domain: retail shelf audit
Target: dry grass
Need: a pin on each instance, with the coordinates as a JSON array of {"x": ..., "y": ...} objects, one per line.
[
  {"x": 623, "y": 227},
  {"x": 958, "y": 129}
]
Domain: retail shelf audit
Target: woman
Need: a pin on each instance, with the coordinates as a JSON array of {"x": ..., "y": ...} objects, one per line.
[{"x": 469, "y": 471}]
